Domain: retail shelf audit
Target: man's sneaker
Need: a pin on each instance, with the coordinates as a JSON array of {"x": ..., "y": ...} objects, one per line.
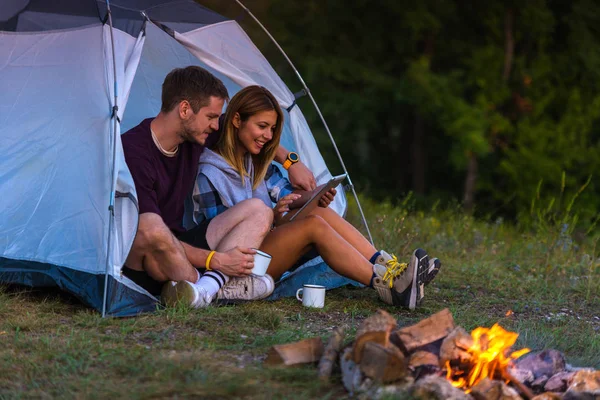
[
  {"x": 184, "y": 292},
  {"x": 246, "y": 288},
  {"x": 401, "y": 284}
]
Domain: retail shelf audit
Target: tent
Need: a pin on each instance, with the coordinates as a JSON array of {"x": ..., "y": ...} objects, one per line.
[{"x": 74, "y": 75}]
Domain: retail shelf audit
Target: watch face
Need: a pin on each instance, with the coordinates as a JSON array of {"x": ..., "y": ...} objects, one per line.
[{"x": 293, "y": 157}]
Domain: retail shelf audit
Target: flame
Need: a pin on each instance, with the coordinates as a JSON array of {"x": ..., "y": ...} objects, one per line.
[{"x": 488, "y": 357}]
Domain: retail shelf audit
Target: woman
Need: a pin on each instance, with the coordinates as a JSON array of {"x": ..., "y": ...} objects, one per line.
[{"x": 240, "y": 168}]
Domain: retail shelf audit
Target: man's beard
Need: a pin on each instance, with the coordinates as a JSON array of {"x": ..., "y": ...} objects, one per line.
[{"x": 189, "y": 135}]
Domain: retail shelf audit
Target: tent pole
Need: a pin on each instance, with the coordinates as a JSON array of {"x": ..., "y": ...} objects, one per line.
[
  {"x": 111, "y": 206},
  {"x": 318, "y": 112}
]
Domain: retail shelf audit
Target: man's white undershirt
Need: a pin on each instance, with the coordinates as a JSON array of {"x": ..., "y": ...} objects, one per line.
[{"x": 165, "y": 152}]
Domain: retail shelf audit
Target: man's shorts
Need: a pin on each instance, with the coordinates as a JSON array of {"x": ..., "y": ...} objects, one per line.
[{"x": 194, "y": 237}]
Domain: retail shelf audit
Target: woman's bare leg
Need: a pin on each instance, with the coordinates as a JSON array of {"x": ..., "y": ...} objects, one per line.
[
  {"x": 288, "y": 242},
  {"x": 347, "y": 231}
]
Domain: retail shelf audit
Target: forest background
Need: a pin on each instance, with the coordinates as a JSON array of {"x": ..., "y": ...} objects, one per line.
[{"x": 493, "y": 105}]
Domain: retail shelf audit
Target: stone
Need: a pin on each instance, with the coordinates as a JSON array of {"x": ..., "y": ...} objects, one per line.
[
  {"x": 522, "y": 375},
  {"x": 436, "y": 388},
  {"x": 546, "y": 362},
  {"x": 491, "y": 389},
  {"x": 352, "y": 377},
  {"x": 539, "y": 383},
  {"x": 396, "y": 391},
  {"x": 559, "y": 382},
  {"x": 548, "y": 396},
  {"x": 579, "y": 396},
  {"x": 585, "y": 382}
]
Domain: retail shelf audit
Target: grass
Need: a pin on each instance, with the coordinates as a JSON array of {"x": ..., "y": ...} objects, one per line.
[{"x": 53, "y": 347}]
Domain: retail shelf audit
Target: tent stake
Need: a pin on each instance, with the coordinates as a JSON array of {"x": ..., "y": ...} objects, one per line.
[
  {"x": 318, "y": 112},
  {"x": 111, "y": 207}
]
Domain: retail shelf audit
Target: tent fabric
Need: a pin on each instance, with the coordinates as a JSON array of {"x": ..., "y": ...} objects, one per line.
[
  {"x": 56, "y": 169},
  {"x": 44, "y": 15},
  {"x": 62, "y": 158},
  {"x": 123, "y": 300}
]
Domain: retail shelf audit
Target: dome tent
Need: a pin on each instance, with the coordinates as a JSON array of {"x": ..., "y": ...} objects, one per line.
[{"x": 75, "y": 74}]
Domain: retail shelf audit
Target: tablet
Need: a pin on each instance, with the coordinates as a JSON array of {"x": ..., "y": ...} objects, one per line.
[{"x": 314, "y": 199}]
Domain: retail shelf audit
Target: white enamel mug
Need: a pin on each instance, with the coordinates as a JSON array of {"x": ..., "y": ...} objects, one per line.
[
  {"x": 261, "y": 262},
  {"x": 312, "y": 296}
]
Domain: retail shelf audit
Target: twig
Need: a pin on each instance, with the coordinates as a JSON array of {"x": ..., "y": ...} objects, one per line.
[{"x": 331, "y": 353}]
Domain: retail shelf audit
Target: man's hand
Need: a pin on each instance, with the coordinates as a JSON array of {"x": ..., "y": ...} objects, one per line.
[
  {"x": 301, "y": 177},
  {"x": 327, "y": 198},
  {"x": 238, "y": 261}
]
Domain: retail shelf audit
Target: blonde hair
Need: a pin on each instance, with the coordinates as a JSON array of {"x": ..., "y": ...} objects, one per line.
[{"x": 247, "y": 102}]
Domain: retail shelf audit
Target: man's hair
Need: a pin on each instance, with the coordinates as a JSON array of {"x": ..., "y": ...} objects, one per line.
[{"x": 194, "y": 84}]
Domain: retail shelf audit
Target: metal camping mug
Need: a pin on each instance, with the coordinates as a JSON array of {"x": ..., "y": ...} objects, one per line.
[
  {"x": 261, "y": 262},
  {"x": 312, "y": 296}
]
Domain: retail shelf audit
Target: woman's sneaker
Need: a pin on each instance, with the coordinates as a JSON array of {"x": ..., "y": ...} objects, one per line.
[
  {"x": 246, "y": 288},
  {"x": 401, "y": 284},
  {"x": 184, "y": 292},
  {"x": 432, "y": 271}
]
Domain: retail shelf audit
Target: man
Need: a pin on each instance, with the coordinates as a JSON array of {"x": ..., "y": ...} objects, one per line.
[{"x": 162, "y": 154}]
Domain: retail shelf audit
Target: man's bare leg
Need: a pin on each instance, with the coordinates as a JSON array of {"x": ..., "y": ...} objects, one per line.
[
  {"x": 242, "y": 226},
  {"x": 246, "y": 224},
  {"x": 157, "y": 252}
]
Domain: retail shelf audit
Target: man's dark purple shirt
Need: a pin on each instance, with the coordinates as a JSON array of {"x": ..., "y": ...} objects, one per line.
[{"x": 162, "y": 183}]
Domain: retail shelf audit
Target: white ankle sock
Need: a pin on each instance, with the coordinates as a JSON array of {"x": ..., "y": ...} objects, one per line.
[{"x": 212, "y": 281}]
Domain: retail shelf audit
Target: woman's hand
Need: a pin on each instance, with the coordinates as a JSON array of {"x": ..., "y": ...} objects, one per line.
[
  {"x": 283, "y": 205},
  {"x": 327, "y": 198}
]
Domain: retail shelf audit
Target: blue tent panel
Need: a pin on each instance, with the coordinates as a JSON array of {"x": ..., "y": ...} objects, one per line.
[{"x": 87, "y": 287}]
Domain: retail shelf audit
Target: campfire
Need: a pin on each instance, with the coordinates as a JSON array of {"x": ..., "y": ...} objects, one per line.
[
  {"x": 435, "y": 359},
  {"x": 487, "y": 358}
]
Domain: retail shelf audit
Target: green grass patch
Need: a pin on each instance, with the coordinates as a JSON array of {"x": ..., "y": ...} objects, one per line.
[{"x": 529, "y": 282}]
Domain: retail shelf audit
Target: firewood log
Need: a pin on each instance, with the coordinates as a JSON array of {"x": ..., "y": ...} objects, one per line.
[
  {"x": 330, "y": 354},
  {"x": 376, "y": 329},
  {"x": 421, "y": 357},
  {"x": 426, "y": 331},
  {"x": 383, "y": 364},
  {"x": 454, "y": 347},
  {"x": 302, "y": 352}
]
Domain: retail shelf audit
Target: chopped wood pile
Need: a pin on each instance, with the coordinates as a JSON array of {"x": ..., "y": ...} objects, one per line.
[{"x": 417, "y": 362}]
